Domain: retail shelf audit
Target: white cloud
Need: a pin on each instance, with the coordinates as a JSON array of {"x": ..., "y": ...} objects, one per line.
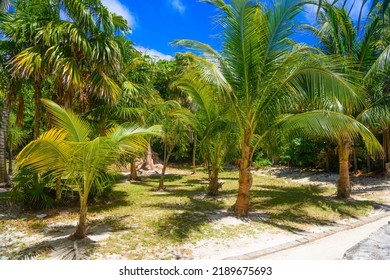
[
  {"x": 355, "y": 12},
  {"x": 115, "y": 6},
  {"x": 153, "y": 53},
  {"x": 178, "y": 6},
  {"x": 310, "y": 12}
]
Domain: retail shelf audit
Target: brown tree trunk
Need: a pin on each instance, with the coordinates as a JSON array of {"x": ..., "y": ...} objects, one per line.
[
  {"x": 214, "y": 186},
  {"x": 327, "y": 161},
  {"x": 10, "y": 156},
  {"x": 149, "y": 164},
  {"x": 166, "y": 158},
  {"x": 81, "y": 229},
  {"x": 344, "y": 184},
  {"x": 194, "y": 154},
  {"x": 241, "y": 207},
  {"x": 133, "y": 171},
  {"x": 386, "y": 146},
  {"x": 368, "y": 162},
  {"x": 58, "y": 189},
  {"x": 20, "y": 111},
  {"x": 4, "y": 178}
]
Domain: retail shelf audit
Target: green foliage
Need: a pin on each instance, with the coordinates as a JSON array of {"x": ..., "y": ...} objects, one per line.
[
  {"x": 31, "y": 190},
  {"x": 302, "y": 153},
  {"x": 260, "y": 161}
]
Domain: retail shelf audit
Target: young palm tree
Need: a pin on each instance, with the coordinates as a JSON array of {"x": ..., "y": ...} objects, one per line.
[
  {"x": 262, "y": 72},
  {"x": 68, "y": 150},
  {"x": 212, "y": 123}
]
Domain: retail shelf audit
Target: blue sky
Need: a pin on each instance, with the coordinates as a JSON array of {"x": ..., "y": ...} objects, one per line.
[{"x": 156, "y": 23}]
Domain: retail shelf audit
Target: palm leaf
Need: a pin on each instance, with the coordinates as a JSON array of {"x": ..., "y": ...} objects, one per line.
[
  {"x": 331, "y": 125},
  {"x": 77, "y": 129}
]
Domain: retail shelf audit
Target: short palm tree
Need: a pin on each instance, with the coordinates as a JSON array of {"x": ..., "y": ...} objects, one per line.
[
  {"x": 67, "y": 150},
  {"x": 211, "y": 120}
]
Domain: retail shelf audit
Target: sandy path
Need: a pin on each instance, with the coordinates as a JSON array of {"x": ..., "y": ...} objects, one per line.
[{"x": 331, "y": 247}]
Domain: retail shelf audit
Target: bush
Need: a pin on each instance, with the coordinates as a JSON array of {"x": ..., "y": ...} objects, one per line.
[
  {"x": 261, "y": 161},
  {"x": 32, "y": 191}
]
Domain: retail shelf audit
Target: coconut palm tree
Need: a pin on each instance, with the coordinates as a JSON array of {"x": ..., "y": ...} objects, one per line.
[
  {"x": 339, "y": 38},
  {"x": 262, "y": 71},
  {"x": 70, "y": 150},
  {"x": 212, "y": 123},
  {"x": 334, "y": 126}
]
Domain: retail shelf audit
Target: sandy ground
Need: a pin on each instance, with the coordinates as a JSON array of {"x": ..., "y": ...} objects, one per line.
[
  {"x": 222, "y": 248},
  {"x": 332, "y": 247},
  {"x": 219, "y": 249}
]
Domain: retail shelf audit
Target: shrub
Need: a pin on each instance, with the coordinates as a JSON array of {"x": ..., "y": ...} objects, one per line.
[{"x": 32, "y": 191}]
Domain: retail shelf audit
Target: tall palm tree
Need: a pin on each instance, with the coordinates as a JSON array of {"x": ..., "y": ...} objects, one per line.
[
  {"x": 10, "y": 86},
  {"x": 339, "y": 38},
  {"x": 78, "y": 42},
  {"x": 262, "y": 72},
  {"x": 69, "y": 150}
]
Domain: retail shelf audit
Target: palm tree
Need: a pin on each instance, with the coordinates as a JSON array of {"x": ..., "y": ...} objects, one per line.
[
  {"x": 82, "y": 50},
  {"x": 68, "y": 150},
  {"x": 262, "y": 71},
  {"x": 360, "y": 55},
  {"x": 212, "y": 123},
  {"x": 4, "y": 4},
  {"x": 10, "y": 86},
  {"x": 334, "y": 126},
  {"x": 377, "y": 113}
]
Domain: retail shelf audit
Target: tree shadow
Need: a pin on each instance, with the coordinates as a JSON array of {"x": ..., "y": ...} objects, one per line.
[
  {"x": 292, "y": 208},
  {"x": 56, "y": 245},
  {"x": 186, "y": 217},
  {"x": 167, "y": 177}
]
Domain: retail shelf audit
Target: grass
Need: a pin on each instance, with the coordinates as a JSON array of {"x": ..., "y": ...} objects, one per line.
[{"x": 146, "y": 224}]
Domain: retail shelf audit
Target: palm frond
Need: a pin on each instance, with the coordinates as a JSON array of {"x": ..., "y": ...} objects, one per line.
[
  {"x": 330, "y": 125},
  {"x": 77, "y": 129},
  {"x": 50, "y": 152}
]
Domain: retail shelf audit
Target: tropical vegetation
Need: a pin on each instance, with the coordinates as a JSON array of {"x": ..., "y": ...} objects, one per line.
[{"x": 80, "y": 103}]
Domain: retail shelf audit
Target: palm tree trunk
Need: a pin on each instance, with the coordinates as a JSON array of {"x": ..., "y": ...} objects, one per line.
[
  {"x": 81, "y": 229},
  {"x": 58, "y": 189},
  {"x": 10, "y": 156},
  {"x": 241, "y": 207},
  {"x": 133, "y": 171},
  {"x": 386, "y": 145},
  {"x": 194, "y": 154},
  {"x": 368, "y": 162},
  {"x": 20, "y": 111},
  {"x": 386, "y": 148},
  {"x": 4, "y": 178},
  {"x": 149, "y": 164},
  {"x": 214, "y": 187},
  {"x": 166, "y": 158},
  {"x": 344, "y": 184},
  {"x": 327, "y": 160}
]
